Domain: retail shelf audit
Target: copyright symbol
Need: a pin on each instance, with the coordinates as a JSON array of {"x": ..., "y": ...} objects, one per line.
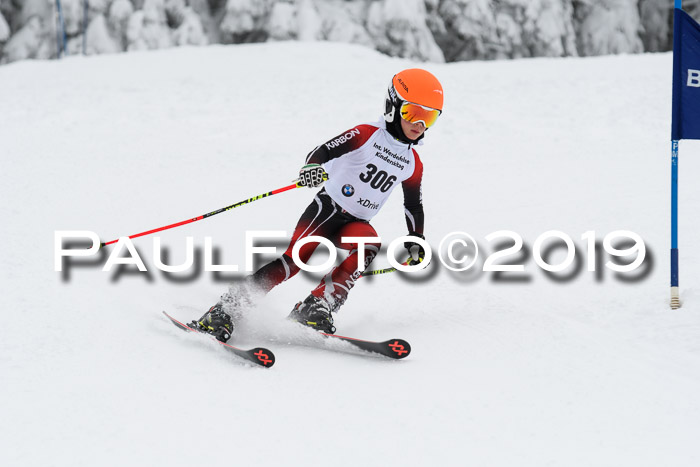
[{"x": 458, "y": 251}]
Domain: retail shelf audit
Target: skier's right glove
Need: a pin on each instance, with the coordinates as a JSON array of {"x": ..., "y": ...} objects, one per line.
[
  {"x": 312, "y": 176},
  {"x": 415, "y": 250}
]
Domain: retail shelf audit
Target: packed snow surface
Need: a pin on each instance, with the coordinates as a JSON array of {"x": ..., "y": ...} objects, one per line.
[{"x": 592, "y": 370}]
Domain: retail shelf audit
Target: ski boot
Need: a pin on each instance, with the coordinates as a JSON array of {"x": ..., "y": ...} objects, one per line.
[
  {"x": 314, "y": 312},
  {"x": 216, "y": 322}
]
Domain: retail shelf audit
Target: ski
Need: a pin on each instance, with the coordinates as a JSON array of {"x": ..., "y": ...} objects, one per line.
[
  {"x": 258, "y": 355},
  {"x": 393, "y": 348}
]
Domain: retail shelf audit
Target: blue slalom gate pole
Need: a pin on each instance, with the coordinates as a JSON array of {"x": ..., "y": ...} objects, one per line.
[
  {"x": 61, "y": 33},
  {"x": 85, "y": 21},
  {"x": 675, "y": 296}
]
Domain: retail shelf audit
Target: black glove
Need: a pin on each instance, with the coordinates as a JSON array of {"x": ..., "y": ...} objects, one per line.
[
  {"x": 312, "y": 176},
  {"x": 415, "y": 250}
]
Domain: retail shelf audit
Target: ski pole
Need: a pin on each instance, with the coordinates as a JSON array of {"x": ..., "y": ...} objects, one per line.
[
  {"x": 409, "y": 262},
  {"x": 213, "y": 213}
]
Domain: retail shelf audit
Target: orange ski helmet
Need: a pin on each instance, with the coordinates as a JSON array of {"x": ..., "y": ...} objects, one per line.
[{"x": 415, "y": 86}]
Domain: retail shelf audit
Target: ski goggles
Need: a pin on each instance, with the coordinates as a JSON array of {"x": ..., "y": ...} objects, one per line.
[{"x": 417, "y": 113}]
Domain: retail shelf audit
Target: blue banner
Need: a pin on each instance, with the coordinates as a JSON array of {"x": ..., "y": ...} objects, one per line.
[{"x": 686, "y": 77}]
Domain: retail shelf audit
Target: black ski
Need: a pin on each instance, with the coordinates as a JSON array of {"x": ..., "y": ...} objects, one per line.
[
  {"x": 258, "y": 355},
  {"x": 393, "y": 348}
]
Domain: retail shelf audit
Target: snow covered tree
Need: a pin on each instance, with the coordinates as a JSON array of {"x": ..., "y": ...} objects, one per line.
[
  {"x": 536, "y": 28},
  {"x": 433, "y": 30},
  {"x": 399, "y": 28},
  {"x": 344, "y": 22},
  {"x": 245, "y": 21},
  {"x": 309, "y": 21},
  {"x": 608, "y": 27},
  {"x": 25, "y": 43},
  {"x": 282, "y": 22},
  {"x": 100, "y": 39},
  {"x": 147, "y": 28},
  {"x": 72, "y": 16},
  {"x": 4, "y": 29},
  {"x": 32, "y": 38},
  {"x": 465, "y": 29},
  {"x": 189, "y": 29},
  {"x": 118, "y": 20},
  {"x": 654, "y": 16}
]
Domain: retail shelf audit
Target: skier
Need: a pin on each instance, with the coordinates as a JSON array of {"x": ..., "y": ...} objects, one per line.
[{"x": 362, "y": 166}]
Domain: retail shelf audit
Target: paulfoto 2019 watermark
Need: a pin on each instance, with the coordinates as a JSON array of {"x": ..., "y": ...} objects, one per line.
[{"x": 458, "y": 251}]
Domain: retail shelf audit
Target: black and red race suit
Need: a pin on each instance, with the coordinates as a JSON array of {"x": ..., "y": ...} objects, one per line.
[{"x": 364, "y": 165}]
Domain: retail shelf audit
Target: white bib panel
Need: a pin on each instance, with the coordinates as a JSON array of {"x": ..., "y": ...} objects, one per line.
[{"x": 362, "y": 180}]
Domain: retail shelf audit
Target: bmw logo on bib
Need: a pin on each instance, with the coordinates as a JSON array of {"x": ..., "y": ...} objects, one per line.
[{"x": 348, "y": 190}]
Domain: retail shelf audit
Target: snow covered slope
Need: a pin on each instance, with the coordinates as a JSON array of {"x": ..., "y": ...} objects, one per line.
[{"x": 594, "y": 370}]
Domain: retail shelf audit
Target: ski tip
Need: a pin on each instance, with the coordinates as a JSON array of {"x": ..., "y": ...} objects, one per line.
[
  {"x": 398, "y": 348},
  {"x": 177, "y": 323},
  {"x": 263, "y": 357}
]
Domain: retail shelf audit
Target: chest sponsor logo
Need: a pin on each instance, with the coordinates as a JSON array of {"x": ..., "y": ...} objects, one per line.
[
  {"x": 348, "y": 190},
  {"x": 366, "y": 203},
  {"x": 391, "y": 157},
  {"x": 343, "y": 138}
]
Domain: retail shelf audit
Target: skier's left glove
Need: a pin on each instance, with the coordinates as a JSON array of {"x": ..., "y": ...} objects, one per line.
[
  {"x": 415, "y": 250},
  {"x": 312, "y": 176}
]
